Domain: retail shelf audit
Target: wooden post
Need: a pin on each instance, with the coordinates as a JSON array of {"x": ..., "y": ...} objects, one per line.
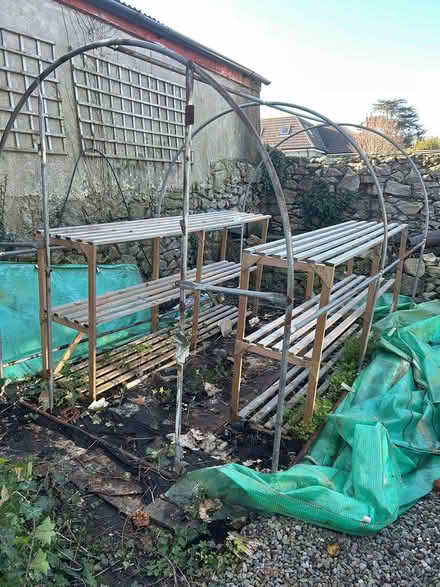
[
  {"x": 224, "y": 244},
  {"x": 91, "y": 257},
  {"x": 327, "y": 275},
  {"x": 196, "y": 304},
  {"x": 260, "y": 268},
  {"x": 369, "y": 307},
  {"x": 44, "y": 324},
  {"x": 310, "y": 282},
  {"x": 238, "y": 353},
  {"x": 156, "y": 273},
  {"x": 349, "y": 270},
  {"x": 398, "y": 280}
]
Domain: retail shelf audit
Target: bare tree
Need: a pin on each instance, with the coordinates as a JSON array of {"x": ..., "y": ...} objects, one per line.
[{"x": 375, "y": 144}]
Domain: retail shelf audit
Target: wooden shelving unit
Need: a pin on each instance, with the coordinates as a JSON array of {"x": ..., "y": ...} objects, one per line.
[
  {"x": 85, "y": 315},
  {"x": 313, "y": 331}
]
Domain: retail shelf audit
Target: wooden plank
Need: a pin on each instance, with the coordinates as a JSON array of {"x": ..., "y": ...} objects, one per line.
[
  {"x": 349, "y": 270},
  {"x": 156, "y": 271},
  {"x": 238, "y": 354},
  {"x": 326, "y": 285},
  {"x": 257, "y": 349},
  {"x": 399, "y": 271},
  {"x": 369, "y": 309},
  {"x": 92, "y": 321},
  {"x": 259, "y": 274},
  {"x": 224, "y": 244},
  {"x": 196, "y": 295},
  {"x": 68, "y": 353}
]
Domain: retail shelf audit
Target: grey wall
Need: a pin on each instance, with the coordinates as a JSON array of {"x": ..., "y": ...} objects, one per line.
[{"x": 94, "y": 195}]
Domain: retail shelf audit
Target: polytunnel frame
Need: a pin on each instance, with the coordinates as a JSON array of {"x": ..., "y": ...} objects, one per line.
[{"x": 182, "y": 345}]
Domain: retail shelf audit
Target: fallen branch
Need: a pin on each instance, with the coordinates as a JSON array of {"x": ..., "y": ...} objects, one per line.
[{"x": 124, "y": 455}]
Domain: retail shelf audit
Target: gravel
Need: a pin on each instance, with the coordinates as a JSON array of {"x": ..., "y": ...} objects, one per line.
[{"x": 291, "y": 553}]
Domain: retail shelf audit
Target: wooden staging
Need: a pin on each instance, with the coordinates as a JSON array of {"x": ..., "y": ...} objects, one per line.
[
  {"x": 130, "y": 363},
  {"x": 85, "y": 315},
  {"x": 319, "y": 323}
]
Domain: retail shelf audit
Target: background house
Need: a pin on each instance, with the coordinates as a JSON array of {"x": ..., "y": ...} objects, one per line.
[
  {"x": 310, "y": 143},
  {"x": 130, "y": 110}
]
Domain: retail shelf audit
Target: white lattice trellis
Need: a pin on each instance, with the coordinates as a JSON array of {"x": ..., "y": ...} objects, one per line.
[
  {"x": 22, "y": 58},
  {"x": 126, "y": 113}
]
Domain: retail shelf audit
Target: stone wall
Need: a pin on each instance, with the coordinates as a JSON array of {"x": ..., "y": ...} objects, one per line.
[
  {"x": 402, "y": 194},
  {"x": 223, "y": 188},
  {"x": 402, "y": 190}
]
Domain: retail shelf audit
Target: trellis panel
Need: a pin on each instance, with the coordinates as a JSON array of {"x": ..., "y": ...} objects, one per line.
[
  {"x": 22, "y": 58},
  {"x": 126, "y": 113}
]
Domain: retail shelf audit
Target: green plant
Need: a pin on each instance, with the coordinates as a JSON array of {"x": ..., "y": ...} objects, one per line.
[
  {"x": 323, "y": 208},
  {"x": 294, "y": 418},
  {"x": 280, "y": 161},
  {"x": 27, "y": 532}
]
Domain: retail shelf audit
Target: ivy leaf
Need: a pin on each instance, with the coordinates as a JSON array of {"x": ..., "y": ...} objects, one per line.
[
  {"x": 45, "y": 531},
  {"x": 39, "y": 563}
]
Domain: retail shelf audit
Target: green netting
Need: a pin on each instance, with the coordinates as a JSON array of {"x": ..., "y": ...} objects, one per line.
[
  {"x": 379, "y": 452},
  {"x": 19, "y": 310}
]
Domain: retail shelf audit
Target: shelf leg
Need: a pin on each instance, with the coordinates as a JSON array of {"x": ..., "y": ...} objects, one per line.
[
  {"x": 327, "y": 276},
  {"x": 260, "y": 268},
  {"x": 224, "y": 244},
  {"x": 42, "y": 288},
  {"x": 196, "y": 304},
  {"x": 369, "y": 307},
  {"x": 310, "y": 283},
  {"x": 156, "y": 273},
  {"x": 238, "y": 354},
  {"x": 349, "y": 270},
  {"x": 91, "y": 257},
  {"x": 398, "y": 281}
]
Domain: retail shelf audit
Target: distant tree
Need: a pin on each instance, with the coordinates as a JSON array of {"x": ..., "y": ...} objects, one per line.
[
  {"x": 428, "y": 144},
  {"x": 405, "y": 116},
  {"x": 375, "y": 144}
]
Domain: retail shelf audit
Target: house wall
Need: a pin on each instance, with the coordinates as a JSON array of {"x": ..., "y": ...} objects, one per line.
[{"x": 220, "y": 153}]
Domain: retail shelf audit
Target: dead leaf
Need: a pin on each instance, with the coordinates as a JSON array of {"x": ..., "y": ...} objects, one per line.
[
  {"x": 139, "y": 400},
  {"x": 4, "y": 495},
  {"x": 226, "y": 327},
  {"x": 333, "y": 549},
  {"x": 211, "y": 389},
  {"x": 98, "y": 404},
  {"x": 141, "y": 519},
  {"x": 70, "y": 414},
  {"x": 43, "y": 400},
  {"x": 437, "y": 484},
  {"x": 207, "y": 506}
]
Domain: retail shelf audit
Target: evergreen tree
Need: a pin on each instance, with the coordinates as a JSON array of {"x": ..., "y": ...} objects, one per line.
[{"x": 405, "y": 116}]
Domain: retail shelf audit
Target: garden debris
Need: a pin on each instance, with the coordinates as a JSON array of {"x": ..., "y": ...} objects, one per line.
[
  {"x": 208, "y": 443},
  {"x": 211, "y": 389},
  {"x": 333, "y": 549},
  {"x": 140, "y": 400},
  {"x": 111, "y": 486},
  {"x": 98, "y": 404},
  {"x": 207, "y": 506},
  {"x": 226, "y": 327},
  {"x": 70, "y": 414},
  {"x": 141, "y": 519},
  {"x": 437, "y": 484},
  {"x": 254, "y": 321}
]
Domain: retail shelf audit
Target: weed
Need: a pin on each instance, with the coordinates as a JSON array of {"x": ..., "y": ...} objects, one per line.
[{"x": 294, "y": 418}]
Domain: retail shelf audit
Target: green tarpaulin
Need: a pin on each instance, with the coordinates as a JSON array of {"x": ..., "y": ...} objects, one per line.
[
  {"x": 19, "y": 309},
  {"x": 379, "y": 452}
]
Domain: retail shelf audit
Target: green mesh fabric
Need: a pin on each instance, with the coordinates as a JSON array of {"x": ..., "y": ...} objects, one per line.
[
  {"x": 19, "y": 310},
  {"x": 379, "y": 452}
]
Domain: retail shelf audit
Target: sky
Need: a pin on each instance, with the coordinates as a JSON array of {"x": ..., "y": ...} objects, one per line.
[{"x": 334, "y": 56}]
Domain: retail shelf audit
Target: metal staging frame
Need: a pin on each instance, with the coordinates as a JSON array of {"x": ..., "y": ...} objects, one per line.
[{"x": 182, "y": 344}]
